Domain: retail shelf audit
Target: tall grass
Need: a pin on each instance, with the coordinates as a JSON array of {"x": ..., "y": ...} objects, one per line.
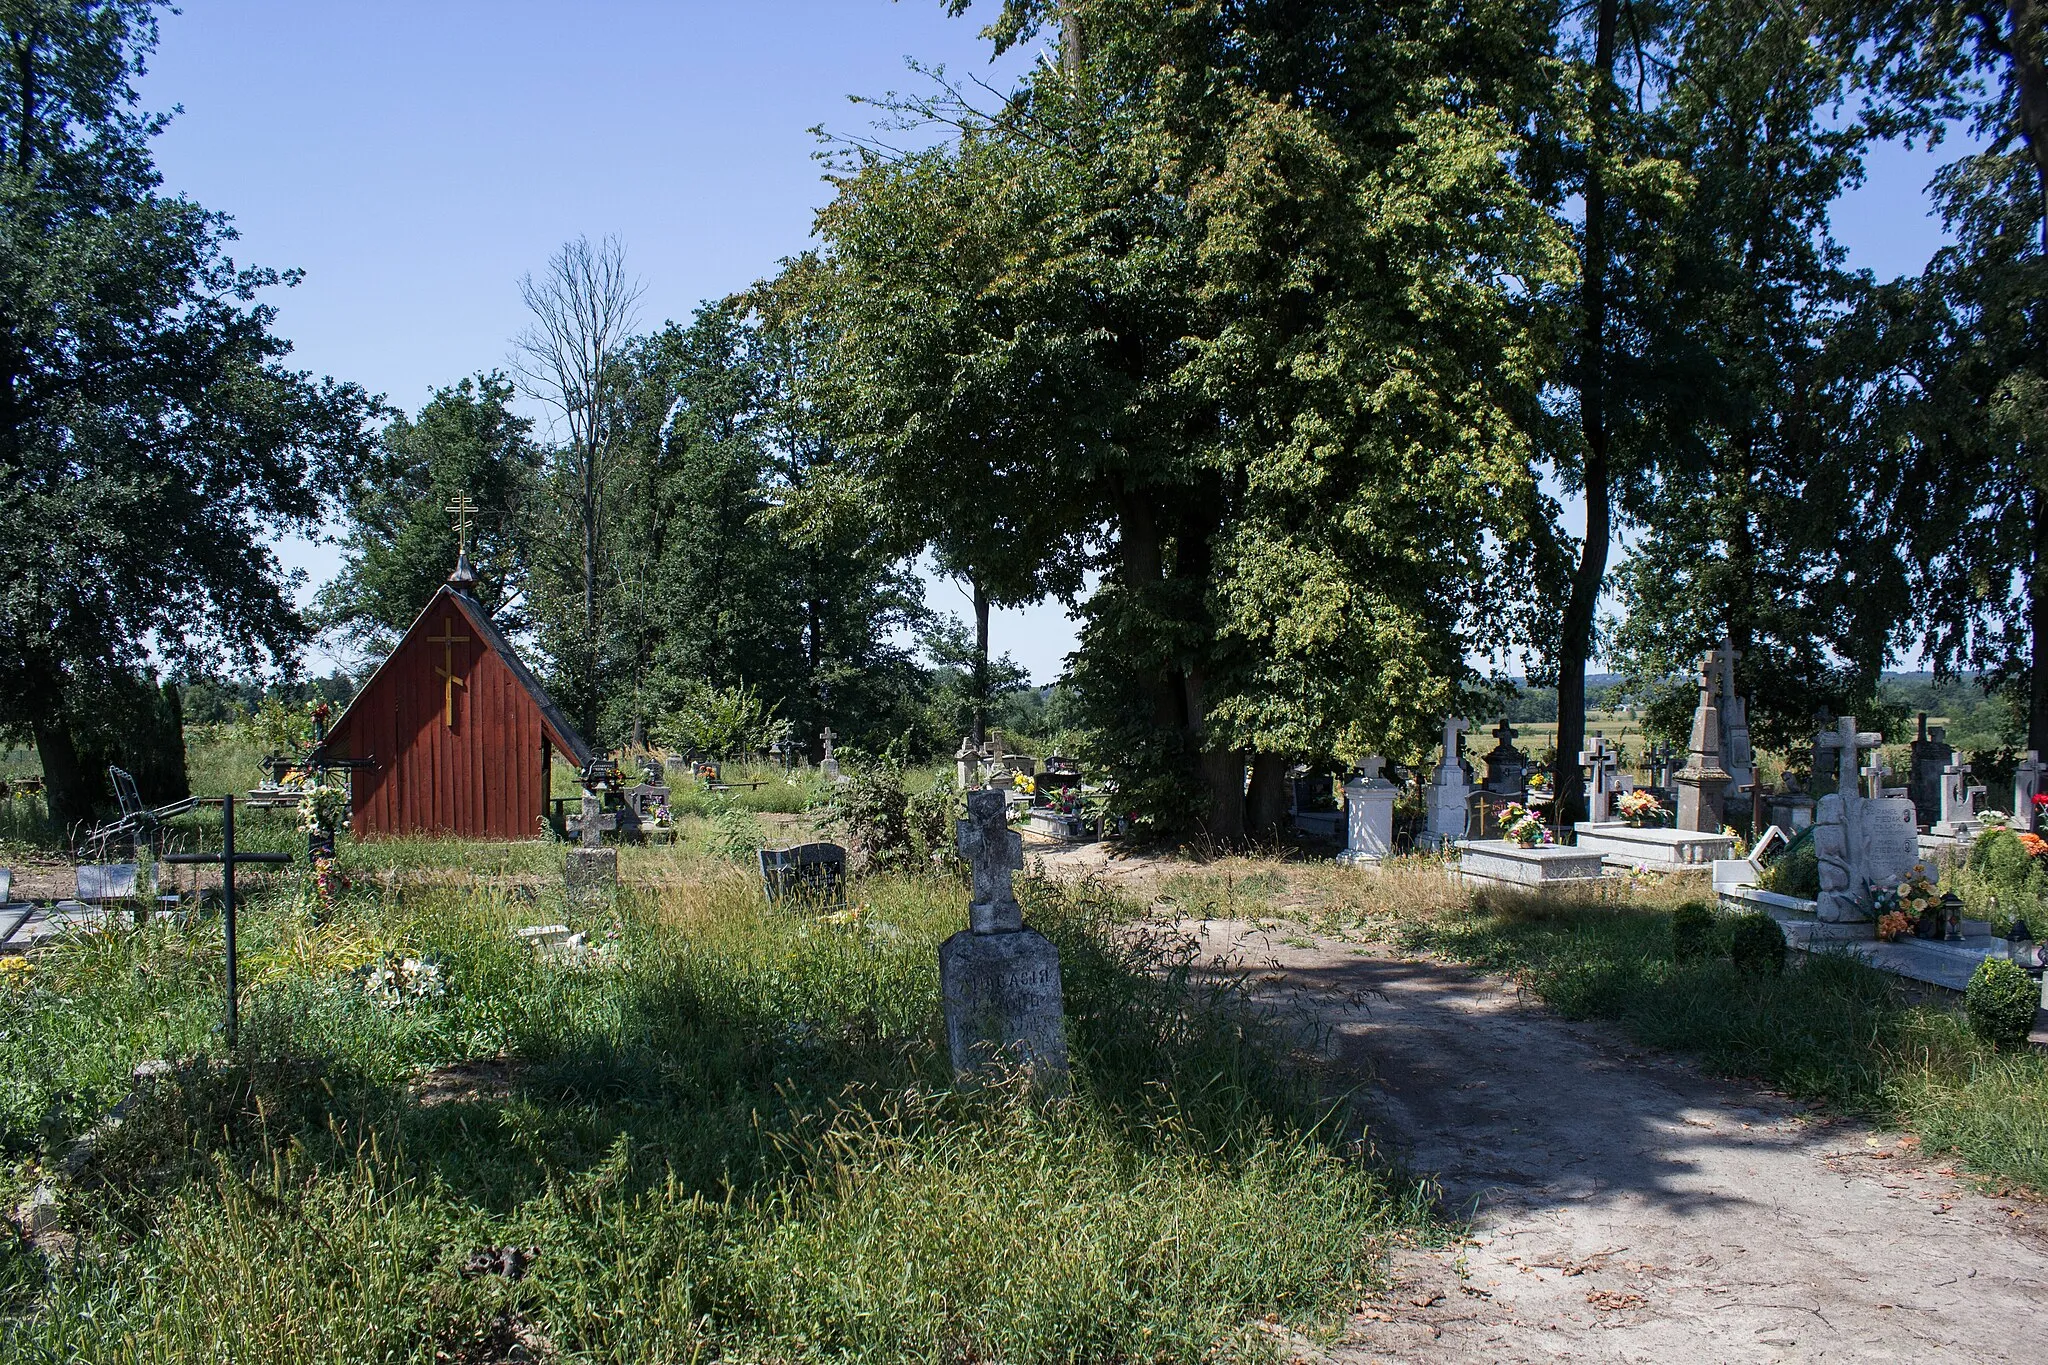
[{"x": 729, "y": 1133}]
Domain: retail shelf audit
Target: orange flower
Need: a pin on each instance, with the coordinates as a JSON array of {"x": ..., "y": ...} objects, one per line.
[{"x": 2034, "y": 844}]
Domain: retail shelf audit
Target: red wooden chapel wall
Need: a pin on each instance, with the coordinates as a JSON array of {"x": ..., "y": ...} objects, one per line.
[{"x": 477, "y": 768}]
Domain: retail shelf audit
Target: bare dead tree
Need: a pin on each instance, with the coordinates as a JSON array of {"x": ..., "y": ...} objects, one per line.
[{"x": 570, "y": 359}]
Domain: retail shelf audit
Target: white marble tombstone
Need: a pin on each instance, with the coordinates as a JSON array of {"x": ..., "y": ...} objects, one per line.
[
  {"x": 1603, "y": 769},
  {"x": 1958, "y": 805},
  {"x": 1369, "y": 818},
  {"x": 1860, "y": 841},
  {"x": 1450, "y": 794}
]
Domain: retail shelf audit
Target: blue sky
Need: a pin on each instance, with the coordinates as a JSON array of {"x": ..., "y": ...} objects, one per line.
[{"x": 415, "y": 159}]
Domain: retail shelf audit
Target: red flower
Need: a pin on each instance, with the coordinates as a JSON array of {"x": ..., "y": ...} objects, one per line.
[{"x": 2040, "y": 800}]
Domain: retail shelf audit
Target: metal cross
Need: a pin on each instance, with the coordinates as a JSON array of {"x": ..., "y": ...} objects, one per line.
[
  {"x": 461, "y": 509},
  {"x": 229, "y": 860},
  {"x": 448, "y": 639}
]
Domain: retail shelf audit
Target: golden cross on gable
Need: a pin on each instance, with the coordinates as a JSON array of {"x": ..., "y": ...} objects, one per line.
[
  {"x": 461, "y": 509},
  {"x": 448, "y": 639}
]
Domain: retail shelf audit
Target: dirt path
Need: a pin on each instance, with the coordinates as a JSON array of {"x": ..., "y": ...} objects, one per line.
[{"x": 1627, "y": 1208}]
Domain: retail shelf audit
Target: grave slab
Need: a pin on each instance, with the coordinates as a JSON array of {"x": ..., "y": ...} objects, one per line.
[
  {"x": 1502, "y": 862},
  {"x": 999, "y": 981},
  {"x": 1660, "y": 850}
]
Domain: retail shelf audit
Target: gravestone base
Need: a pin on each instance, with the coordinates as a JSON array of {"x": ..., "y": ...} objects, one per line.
[
  {"x": 1660, "y": 850},
  {"x": 1003, "y": 1005},
  {"x": 591, "y": 875},
  {"x": 1502, "y": 862},
  {"x": 1074, "y": 829}
]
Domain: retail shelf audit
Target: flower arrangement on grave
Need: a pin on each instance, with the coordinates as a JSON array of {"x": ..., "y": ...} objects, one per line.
[
  {"x": 2034, "y": 844},
  {"x": 1067, "y": 801},
  {"x": 1539, "y": 782},
  {"x": 1520, "y": 825},
  {"x": 394, "y": 982},
  {"x": 660, "y": 814},
  {"x": 1640, "y": 808},
  {"x": 1913, "y": 899},
  {"x": 1993, "y": 819},
  {"x": 1893, "y": 926},
  {"x": 329, "y": 880},
  {"x": 322, "y": 807},
  {"x": 1025, "y": 783}
]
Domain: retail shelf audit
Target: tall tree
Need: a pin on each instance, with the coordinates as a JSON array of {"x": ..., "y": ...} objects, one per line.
[
  {"x": 1259, "y": 280},
  {"x": 571, "y": 359},
  {"x": 1756, "y": 521},
  {"x": 152, "y": 445},
  {"x": 1963, "y": 399},
  {"x": 400, "y": 541}
]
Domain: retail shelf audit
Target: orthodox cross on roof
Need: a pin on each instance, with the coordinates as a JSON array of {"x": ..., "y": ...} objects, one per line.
[
  {"x": 445, "y": 670},
  {"x": 462, "y": 509}
]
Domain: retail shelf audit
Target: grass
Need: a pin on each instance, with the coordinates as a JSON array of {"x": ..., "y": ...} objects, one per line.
[
  {"x": 1830, "y": 1028},
  {"x": 730, "y": 1134}
]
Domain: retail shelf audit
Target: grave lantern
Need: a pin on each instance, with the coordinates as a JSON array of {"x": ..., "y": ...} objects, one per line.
[
  {"x": 1951, "y": 916},
  {"x": 2020, "y": 946}
]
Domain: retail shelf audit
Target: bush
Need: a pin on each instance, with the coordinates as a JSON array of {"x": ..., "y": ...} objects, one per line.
[
  {"x": 931, "y": 814},
  {"x": 2001, "y": 1000},
  {"x": 1692, "y": 931},
  {"x": 735, "y": 834},
  {"x": 1796, "y": 871},
  {"x": 1758, "y": 944},
  {"x": 874, "y": 814}
]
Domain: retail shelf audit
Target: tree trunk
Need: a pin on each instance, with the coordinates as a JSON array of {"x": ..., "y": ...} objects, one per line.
[
  {"x": 980, "y": 661},
  {"x": 68, "y": 789},
  {"x": 2037, "y": 613},
  {"x": 1581, "y": 608},
  {"x": 2030, "y": 77},
  {"x": 590, "y": 593},
  {"x": 1266, "y": 804}
]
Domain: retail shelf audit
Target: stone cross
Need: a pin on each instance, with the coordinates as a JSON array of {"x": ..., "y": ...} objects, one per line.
[
  {"x": 1504, "y": 733},
  {"x": 1601, "y": 769},
  {"x": 1454, "y": 730},
  {"x": 827, "y": 736},
  {"x": 1956, "y": 794},
  {"x": 1371, "y": 768},
  {"x": 993, "y": 851},
  {"x": 1846, "y": 741},
  {"x": 594, "y": 820},
  {"x": 1729, "y": 656},
  {"x": 2026, "y": 785}
]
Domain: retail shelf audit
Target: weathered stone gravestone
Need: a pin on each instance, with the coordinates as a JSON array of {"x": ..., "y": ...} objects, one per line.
[
  {"x": 1507, "y": 768},
  {"x": 809, "y": 876},
  {"x": 966, "y": 764},
  {"x": 1000, "y": 981},
  {"x": 591, "y": 873},
  {"x": 829, "y": 764},
  {"x": 1859, "y": 840},
  {"x": 1450, "y": 793},
  {"x": 1931, "y": 753},
  {"x": 645, "y": 802},
  {"x": 1369, "y": 814},
  {"x": 2026, "y": 785},
  {"x": 1736, "y": 756},
  {"x": 1702, "y": 782}
]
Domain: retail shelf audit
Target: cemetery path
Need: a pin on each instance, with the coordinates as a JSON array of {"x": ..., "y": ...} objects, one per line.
[{"x": 1626, "y": 1207}]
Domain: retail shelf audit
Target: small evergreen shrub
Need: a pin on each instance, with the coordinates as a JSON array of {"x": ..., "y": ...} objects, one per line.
[
  {"x": 1692, "y": 931},
  {"x": 2001, "y": 999},
  {"x": 1758, "y": 944}
]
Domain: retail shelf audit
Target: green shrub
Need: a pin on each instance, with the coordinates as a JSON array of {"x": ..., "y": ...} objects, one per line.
[
  {"x": 1796, "y": 871},
  {"x": 1758, "y": 944},
  {"x": 2001, "y": 1000},
  {"x": 1692, "y": 931},
  {"x": 931, "y": 814},
  {"x": 874, "y": 814}
]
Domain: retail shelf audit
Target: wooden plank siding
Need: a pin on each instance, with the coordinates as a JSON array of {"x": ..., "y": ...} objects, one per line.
[{"x": 479, "y": 771}]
